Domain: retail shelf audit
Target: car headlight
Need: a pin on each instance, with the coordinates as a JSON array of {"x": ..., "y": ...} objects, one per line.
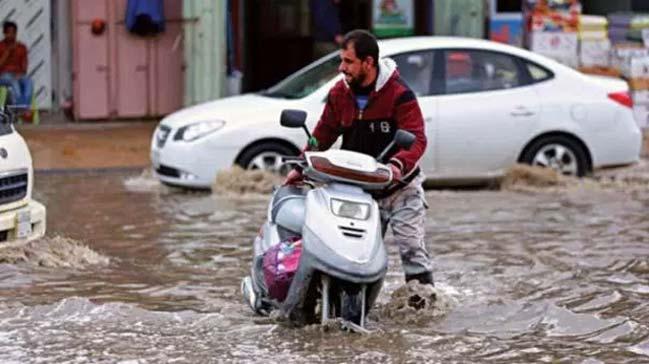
[
  {"x": 198, "y": 130},
  {"x": 349, "y": 209}
]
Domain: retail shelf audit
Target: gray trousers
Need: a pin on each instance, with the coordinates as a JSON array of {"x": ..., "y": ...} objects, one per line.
[{"x": 405, "y": 211}]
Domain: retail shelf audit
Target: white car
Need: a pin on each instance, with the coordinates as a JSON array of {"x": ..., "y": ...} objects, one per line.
[
  {"x": 486, "y": 107},
  {"x": 21, "y": 218}
]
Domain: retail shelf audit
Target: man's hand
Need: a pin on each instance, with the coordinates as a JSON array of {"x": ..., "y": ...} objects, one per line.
[
  {"x": 293, "y": 177},
  {"x": 396, "y": 174}
]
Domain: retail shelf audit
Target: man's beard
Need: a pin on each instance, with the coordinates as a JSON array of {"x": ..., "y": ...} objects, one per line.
[{"x": 357, "y": 82}]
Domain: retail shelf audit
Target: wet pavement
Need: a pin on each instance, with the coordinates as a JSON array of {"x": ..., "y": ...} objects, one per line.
[
  {"x": 523, "y": 275},
  {"x": 96, "y": 145}
]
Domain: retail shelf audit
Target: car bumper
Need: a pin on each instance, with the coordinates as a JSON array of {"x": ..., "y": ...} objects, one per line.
[
  {"x": 13, "y": 223},
  {"x": 191, "y": 165},
  {"x": 618, "y": 146}
]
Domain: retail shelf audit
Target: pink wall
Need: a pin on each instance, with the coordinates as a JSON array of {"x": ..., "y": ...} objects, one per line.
[{"x": 120, "y": 75}]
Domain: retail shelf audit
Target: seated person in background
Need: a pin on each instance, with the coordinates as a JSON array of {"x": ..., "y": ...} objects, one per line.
[{"x": 13, "y": 65}]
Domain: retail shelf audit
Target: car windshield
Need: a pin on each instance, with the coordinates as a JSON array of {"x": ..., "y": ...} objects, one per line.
[{"x": 306, "y": 81}]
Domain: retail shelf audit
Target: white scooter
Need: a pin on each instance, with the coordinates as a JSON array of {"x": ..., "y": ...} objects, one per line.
[{"x": 343, "y": 261}]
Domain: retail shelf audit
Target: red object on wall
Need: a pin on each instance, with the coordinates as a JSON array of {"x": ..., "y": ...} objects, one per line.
[
  {"x": 119, "y": 75},
  {"x": 98, "y": 26}
]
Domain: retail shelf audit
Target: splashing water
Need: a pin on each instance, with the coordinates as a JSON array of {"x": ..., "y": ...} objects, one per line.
[
  {"x": 54, "y": 252},
  {"x": 415, "y": 303},
  {"x": 145, "y": 182},
  {"x": 236, "y": 181},
  {"x": 522, "y": 176}
]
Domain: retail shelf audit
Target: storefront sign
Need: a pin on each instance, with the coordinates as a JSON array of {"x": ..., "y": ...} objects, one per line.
[{"x": 393, "y": 18}]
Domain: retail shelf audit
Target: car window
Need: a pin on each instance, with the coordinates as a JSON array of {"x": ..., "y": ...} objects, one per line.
[
  {"x": 476, "y": 71},
  {"x": 537, "y": 73},
  {"x": 307, "y": 80},
  {"x": 416, "y": 68}
]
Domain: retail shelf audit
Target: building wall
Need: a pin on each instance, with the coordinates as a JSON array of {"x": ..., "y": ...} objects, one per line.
[
  {"x": 121, "y": 75},
  {"x": 61, "y": 54},
  {"x": 33, "y": 18},
  {"x": 205, "y": 50}
]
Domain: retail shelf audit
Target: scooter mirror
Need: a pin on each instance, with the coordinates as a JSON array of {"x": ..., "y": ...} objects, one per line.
[
  {"x": 404, "y": 139},
  {"x": 293, "y": 118}
]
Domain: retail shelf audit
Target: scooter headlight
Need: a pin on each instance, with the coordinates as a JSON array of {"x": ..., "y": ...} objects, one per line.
[{"x": 350, "y": 209}]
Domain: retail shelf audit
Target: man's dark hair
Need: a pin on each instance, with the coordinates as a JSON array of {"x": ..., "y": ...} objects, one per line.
[
  {"x": 9, "y": 24},
  {"x": 364, "y": 44}
]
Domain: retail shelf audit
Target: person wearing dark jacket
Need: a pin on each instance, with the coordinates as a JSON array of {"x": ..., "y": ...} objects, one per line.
[
  {"x": 366, "y": 108},
  {"x": 327, "y": 27}
]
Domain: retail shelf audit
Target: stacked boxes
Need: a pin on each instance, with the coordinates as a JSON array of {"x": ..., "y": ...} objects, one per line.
[
  {"x": 554, "y": 25},
  {"x": 594, "y": 45},
  {"x": 632, "y": 61},
  {"x": 627, "y": 26},
  {"x": 559, "y": 46},
  {"x": 619, "y": 24},
  {"x": 592, "y": 27}
]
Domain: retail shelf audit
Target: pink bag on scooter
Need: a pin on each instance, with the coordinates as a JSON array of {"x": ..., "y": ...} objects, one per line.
[{"x": 280, "y": 264}]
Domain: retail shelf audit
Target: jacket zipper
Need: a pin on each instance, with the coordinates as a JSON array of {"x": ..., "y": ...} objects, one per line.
[{"x": 360, "y": 111}]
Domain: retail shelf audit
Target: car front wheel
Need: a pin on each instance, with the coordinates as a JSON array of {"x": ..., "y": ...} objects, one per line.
[
  {"x": 266, "y": 156},
  {"x": 560, "y": 153}
]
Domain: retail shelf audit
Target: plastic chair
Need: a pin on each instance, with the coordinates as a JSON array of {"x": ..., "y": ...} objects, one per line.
[{"x": 33, "y": 107}]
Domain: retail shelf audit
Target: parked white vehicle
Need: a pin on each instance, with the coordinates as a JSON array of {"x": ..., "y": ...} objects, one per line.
[
  {"x": 21, "y": 218},
  {"x": 486, "y": 107}
]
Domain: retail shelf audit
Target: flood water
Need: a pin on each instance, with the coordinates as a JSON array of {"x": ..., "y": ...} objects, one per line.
[{"x": 522, "y": 276}]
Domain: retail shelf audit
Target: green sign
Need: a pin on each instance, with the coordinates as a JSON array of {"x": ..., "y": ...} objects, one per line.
[{"x": 393, "y": 18}]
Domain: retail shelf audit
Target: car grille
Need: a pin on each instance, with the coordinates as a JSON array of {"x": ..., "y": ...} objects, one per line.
[
  {"x": 352, "y": 232},
  {"x": 13, "y": 186},
  {"x": 168, "y": 171},
  {"x": 161, "y": 136}
]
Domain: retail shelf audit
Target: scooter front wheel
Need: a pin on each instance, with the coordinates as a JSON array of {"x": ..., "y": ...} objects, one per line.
[{"x": 352, "y": 304}]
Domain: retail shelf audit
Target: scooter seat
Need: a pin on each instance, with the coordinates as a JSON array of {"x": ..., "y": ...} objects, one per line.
[{"x": 287, "y": 208}]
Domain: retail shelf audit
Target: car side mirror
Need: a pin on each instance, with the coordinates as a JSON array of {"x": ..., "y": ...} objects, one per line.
[
  {"x": 404, "y": 139},
  {"x": 293, "y": 118}
]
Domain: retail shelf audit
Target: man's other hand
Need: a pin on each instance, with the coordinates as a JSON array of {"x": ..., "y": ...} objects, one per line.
[
  {"x": 396, "y": 173},
  {"x": 293, "y": 177}
]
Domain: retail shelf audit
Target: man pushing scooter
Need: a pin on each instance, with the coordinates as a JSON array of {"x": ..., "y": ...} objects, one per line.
[
  {"x": 321, "y": 250},
  {"x": 367, "y": 108}
]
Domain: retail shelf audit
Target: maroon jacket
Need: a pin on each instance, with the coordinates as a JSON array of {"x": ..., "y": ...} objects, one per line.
[{"x": 391, "y": 106}]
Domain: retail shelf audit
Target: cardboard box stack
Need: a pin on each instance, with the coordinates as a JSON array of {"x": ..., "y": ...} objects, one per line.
[
  {"x": 632, "y": 61},
  {"x": 594, "y": 45},
  {"x": 619, "y": 26},
  {"x": 554, "y": 30},
  {"x": 639, "y": 23}
]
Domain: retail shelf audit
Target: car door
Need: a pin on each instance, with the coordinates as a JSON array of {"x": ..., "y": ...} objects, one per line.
[
  {"x": 417, "y": 70},
  {"x": 487, "y": 108}
]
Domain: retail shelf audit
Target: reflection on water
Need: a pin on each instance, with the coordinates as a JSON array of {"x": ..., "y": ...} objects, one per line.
[{"x": 521, "y": 277}]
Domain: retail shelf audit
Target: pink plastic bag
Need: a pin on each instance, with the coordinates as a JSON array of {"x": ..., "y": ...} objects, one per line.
[{"x": 280, "y": 264}]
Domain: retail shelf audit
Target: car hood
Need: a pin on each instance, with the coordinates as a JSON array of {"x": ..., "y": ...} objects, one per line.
[{"x": 236, "y": 109}]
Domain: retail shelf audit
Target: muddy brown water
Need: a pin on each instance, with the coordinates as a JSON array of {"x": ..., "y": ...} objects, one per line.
[{"x": 547, "y": 275}]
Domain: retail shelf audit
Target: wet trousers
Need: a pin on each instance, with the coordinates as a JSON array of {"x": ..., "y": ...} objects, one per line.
[{"x": 405, "y": 213}]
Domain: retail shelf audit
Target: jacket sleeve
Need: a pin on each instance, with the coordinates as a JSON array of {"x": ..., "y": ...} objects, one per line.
[
  {"x": 409, "y": 117},
  {"x": 328, "y": 128}
]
